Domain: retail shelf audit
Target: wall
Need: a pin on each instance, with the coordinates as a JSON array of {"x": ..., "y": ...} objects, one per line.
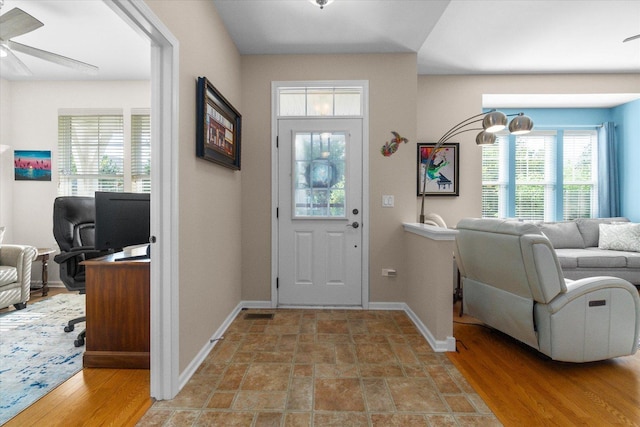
[
  {"x": 627, "y": 117},
  {"x": 209, "y": 194},
  {"x": 444, "y": 101},
  {"x": 33, "y": 108},
  {"x": 392, "y": 87},
  {"x": 6, "y": 162}
]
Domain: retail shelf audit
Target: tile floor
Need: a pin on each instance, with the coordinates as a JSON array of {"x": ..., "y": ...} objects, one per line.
[{"x": 324, "y": 368}]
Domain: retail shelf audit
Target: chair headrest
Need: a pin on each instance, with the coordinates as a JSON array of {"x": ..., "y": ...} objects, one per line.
[{"x": 71, "y": 214}]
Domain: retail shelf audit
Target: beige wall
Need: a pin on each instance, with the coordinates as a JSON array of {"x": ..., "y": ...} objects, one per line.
[
  {"x": 444, "y": 101},
  {"x": 392, "y": 87},
  {"x": 209, "y": 194}
]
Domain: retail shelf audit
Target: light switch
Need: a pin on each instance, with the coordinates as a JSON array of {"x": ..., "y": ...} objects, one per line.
[{"x": 387, "y": 201}]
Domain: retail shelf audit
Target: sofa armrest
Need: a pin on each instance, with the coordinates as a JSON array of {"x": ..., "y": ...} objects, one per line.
[
  {"x": 21, "y": 257},
  {"x": 579, "y": 288}
]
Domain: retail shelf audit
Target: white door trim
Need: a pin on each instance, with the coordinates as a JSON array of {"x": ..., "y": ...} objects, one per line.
[
  {"x": 164, "y": 194},
  {"x": 364, "y": 84}
]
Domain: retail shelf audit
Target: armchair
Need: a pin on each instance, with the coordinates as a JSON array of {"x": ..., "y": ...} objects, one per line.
[
  {"x": 73, "y": 229},
  {"x": 513, "y": 282},
  {"x": 15, "y": 274}
]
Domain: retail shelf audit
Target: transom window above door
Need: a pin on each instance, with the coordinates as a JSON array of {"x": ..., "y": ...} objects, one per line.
[{"x": 320, "y": 101}]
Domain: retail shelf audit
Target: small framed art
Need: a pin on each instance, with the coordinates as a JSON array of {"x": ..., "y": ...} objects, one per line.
[
  {"x": 218, "y": 127},
  {"x": 442, "y": 171}
]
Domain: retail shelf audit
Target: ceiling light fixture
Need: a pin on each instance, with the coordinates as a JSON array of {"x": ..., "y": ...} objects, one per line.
[
  {"x": 321, "y": 3},
  {"x": 492, "y": 121}
]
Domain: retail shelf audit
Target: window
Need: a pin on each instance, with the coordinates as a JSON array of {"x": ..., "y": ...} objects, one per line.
[
  {"x": 90, "y": 154},
  {"x": 580, "y": 186},
  {"x": 140, "y": 153},
  {"x": 95, "y": 155},
  {"x": 526, "y": 185},
  {"x": 320, "y": 101},
  {"x": 535, "y": 176}
]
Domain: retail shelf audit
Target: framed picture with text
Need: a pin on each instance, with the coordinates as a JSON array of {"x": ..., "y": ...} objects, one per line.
[{"x": 218, "y": 127}]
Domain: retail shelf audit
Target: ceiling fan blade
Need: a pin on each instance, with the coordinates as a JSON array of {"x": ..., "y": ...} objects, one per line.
[
  {"x": 14, "y": 63},
  {"x": 53, "y": 57},
  {"x": 628, "y": 39},
  {"x": 17, "y": 22}
]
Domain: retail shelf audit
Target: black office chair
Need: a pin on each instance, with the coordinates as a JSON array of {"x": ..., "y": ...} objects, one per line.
[{"x": 73, "y": 229}]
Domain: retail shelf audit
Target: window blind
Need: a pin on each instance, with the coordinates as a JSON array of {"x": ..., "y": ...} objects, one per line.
[
  {"x": 535, "y": 176},
  {"x": 580, "y": 187},
  {"x": 141, "y": 153},
  {"x": 494, "y": 178},
  {"x": 90, "y": 154}
]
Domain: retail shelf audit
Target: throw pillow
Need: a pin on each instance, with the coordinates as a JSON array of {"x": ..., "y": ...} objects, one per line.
[
  {"x": 589, "y": 228},
  {"x": 620, "y": 237},
  {"x": 562, "y": 234}
]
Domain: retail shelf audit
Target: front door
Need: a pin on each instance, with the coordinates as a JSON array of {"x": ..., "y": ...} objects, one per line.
[{"x": 319, "y": 212}]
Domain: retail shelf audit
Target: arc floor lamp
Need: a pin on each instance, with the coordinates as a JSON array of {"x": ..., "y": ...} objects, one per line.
[{"x": 492, "y": 121}]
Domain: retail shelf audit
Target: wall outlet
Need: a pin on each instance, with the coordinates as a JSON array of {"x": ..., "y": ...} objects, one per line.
[
  {"x": 387, "y": 201},
  {"x": 389, "y": 272}
]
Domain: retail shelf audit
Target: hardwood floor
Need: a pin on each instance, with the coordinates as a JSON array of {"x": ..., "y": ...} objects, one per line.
[
  {"x": 523, "y": 387},
  {"x": 92, "y": 397}
]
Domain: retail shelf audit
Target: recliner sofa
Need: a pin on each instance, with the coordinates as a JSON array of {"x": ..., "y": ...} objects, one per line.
[{"x": 513, "y": 282}]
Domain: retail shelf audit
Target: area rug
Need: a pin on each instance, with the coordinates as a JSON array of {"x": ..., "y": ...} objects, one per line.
[{"x": 36, "y": 355}]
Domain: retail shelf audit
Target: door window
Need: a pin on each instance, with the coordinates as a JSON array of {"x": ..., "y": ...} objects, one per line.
[{"x": 319, "y": 182}]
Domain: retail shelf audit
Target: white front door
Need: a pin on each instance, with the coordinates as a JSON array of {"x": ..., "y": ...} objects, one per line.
[{"x": 320, "y": 212}]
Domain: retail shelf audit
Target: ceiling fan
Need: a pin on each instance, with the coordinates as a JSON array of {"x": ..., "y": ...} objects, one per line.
[
  {"x": 628, "y": 39},
  {"x": 17, "y": 22}
]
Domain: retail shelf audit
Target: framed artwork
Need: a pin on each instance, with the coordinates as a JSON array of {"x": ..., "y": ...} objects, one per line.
[
  {"x": 218, "y": 127},
  {"x": 32, "y": 165},
  {"x": 442, "y": 172}
]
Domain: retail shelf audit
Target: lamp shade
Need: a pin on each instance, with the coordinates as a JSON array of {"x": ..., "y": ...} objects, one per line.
[
  {"x": 485, "y": 138},
  {"x": 494, "y": 121},
  {"x": 520, "y": 124}
]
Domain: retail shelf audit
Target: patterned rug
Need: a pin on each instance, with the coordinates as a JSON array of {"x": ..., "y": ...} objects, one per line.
[{"x": 36, "y": 355}]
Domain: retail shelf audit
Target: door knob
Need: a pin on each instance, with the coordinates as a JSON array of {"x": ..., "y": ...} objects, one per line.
[{"x": 354, "y": 224}]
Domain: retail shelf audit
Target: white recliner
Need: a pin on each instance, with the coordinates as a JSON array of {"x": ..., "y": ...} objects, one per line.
[{"x": 512, "y": 281}]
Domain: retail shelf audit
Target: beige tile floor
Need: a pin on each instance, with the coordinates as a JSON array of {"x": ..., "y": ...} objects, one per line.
[{"x": 324, "y": 368}]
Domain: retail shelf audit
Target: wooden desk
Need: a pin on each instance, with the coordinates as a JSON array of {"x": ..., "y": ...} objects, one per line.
[{"x": 117, "y": 310}]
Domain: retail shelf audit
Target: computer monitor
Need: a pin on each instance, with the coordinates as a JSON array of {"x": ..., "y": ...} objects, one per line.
[{"x": 122, "y": 219}]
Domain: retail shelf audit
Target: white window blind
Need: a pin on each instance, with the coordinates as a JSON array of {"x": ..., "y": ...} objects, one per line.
[
  {"x": 535, "y": 176},
  {"x": 90, "y": 154},
  {"x": 141, "y": 153},
  {"x": 580, "y": 189},
  {"x": 495, "y": 178}
]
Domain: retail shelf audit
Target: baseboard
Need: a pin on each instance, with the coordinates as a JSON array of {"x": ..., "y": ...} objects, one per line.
[
  {"x": 438, "y": 346},
  {"x": 448, "y": 344},
  {"x": 186, "y": 375}
]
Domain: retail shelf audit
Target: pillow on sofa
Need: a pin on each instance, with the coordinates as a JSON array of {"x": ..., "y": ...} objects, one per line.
[
  {"x": 562, "y": 234},
  {"x": 620, "y": 237},
  {"x": 589, "y": 228}
]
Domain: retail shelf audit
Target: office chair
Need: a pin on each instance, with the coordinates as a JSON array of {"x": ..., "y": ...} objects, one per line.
[{"x": 73, "y": 229}]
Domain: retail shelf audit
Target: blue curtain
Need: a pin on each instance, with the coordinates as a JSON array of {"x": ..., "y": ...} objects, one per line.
[{"x": 608, "y": 188}]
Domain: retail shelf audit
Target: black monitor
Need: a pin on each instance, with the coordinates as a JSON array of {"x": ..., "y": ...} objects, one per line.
[{"x": 122, "y": 219}]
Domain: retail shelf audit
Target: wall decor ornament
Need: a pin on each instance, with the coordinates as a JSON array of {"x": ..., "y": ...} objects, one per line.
[
  {"x": 218, "y": 127},
  {"x": 32, "y": 165},
  {"x": 392, "y": 146}
]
